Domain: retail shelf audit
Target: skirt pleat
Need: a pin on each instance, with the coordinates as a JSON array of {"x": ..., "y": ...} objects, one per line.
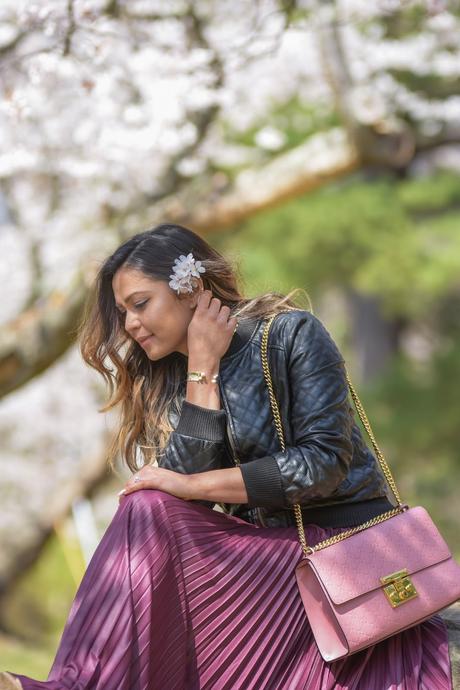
[{"x": 181, "y": 597}]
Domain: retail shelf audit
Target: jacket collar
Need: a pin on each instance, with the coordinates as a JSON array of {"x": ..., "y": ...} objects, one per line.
[{"x": 246, "y": 328}]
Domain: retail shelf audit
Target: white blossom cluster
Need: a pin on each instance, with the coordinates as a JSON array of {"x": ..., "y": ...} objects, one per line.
[{"x": 184, "y": 269}]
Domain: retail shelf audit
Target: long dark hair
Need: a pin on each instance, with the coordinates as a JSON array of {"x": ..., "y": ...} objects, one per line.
[{"x": 144, "y": 388}]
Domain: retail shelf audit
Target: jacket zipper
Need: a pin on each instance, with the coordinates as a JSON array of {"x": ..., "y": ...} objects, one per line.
[
  {"x": 229, "y": 431},
  {"x": 237, "y": 462}
]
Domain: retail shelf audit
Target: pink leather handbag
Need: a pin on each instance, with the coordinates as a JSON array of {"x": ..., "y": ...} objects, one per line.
[{"x": 376, "y": 579}]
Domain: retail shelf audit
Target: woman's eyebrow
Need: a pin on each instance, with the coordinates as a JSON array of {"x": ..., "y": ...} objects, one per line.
[{"x": 137, "y": 292}]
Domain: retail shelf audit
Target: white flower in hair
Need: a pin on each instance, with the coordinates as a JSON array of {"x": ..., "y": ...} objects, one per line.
[{"x": 185, "y": 267}]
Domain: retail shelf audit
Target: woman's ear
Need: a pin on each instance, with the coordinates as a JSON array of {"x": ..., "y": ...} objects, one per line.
[{"x": 194, "y": 297}]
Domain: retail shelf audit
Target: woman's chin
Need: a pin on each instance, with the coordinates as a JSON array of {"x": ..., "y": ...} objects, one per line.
[{"x": 153, "y": 351}]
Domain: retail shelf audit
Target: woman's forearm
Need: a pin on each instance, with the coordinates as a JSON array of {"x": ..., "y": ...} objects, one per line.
[{"x": 225, "y": 485}]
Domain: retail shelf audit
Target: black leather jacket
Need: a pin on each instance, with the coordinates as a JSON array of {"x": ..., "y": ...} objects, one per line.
[{"x": 327, "y": 467}]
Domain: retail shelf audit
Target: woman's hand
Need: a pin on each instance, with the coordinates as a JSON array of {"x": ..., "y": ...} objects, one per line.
[
  {"x": 210, "y": 329},
  {"x": 173, "y": 483}
]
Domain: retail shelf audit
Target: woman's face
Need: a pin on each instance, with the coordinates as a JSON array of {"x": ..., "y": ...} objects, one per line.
[{"x": 151, "y": 308}]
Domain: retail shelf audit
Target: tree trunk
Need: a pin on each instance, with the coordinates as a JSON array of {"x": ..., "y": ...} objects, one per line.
[
  {"x": 374, "y": 338},
  {"x": 93, "y": 474}
]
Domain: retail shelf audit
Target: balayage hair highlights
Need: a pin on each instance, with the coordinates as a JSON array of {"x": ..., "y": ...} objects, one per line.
[{"x": 146, "y": 390}]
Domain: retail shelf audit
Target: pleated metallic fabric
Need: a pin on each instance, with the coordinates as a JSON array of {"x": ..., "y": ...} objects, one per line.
[{"x": 181, "y": 597}]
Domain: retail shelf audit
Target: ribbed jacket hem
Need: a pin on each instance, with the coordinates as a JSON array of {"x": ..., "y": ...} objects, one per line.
[
  {"x": 345, "y": 514},
  {"x": 262, "y": 479},
  {"x": 202, "y": 422}
]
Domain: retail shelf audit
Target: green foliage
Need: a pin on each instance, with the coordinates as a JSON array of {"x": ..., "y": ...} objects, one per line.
[
  {"x": 405, "y": 21},
  {"x": 398, "y": 240},
  {"x": 430, "y": 85},
  {"x": 436, "y": 193},
  {"x": 52, "y": 578},
  {"x": 29, "y": 660},
  {"x": 36, "y": 612},
  {"x": 414, "y": 410}
]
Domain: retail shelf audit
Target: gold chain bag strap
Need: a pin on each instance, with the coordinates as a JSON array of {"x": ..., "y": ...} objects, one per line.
[
  {"x": 353, "y": 592},
  {"x": 383, "y": 464}
]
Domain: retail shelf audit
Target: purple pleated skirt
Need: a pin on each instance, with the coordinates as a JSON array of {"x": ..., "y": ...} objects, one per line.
[{"x": 181, "y": 597}]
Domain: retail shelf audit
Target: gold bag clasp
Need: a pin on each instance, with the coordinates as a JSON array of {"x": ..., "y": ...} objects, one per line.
[{"x": 398, "y": 587}]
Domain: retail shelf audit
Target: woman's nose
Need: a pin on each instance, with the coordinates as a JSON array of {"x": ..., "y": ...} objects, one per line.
[{"x": 131, "y": 323}]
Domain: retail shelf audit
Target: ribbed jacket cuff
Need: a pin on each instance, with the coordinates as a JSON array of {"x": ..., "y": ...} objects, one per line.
[
  {"x": 262, "y": 478},
  {"x": 202, "y": 422}
]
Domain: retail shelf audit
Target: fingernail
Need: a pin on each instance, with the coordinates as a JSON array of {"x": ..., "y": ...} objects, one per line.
[{"x": 121, "y": 492}]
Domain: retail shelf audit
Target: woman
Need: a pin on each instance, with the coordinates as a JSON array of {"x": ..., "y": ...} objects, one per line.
[{"x": 179, "y": 596}]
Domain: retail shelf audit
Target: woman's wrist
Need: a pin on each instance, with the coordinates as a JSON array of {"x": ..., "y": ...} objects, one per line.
[
  {"x": 226, "y": 485},
  {"x": 209, "y": 365},
  {"x": 205, "y": 394}
]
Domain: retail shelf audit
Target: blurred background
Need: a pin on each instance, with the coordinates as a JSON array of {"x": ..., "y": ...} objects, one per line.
[{"x": 316, "y": 143}]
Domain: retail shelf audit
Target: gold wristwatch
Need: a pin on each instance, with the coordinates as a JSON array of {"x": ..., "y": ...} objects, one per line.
[{"x": 200, "y": 377}]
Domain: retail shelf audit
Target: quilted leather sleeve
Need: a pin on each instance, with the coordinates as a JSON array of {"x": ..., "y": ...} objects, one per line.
[
  {"x": 321, "y": 420},
  {"x": 197, "y": 443}
]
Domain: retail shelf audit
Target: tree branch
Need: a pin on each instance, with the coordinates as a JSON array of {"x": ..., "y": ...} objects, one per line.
[
  {"x": 322, "y": 158},
  {"x": 71, "y": 28},
  {"x": 38, "y": 336},
  {"x": 379, "y": 138}
]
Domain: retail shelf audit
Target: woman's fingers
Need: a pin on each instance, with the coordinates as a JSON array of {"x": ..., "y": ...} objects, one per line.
[
  {"x": 203, "y": 300},
  {"x": 212, "y": 304},
  {"x": 131, "y": 489},
  {"x": 136, "y": 482}
]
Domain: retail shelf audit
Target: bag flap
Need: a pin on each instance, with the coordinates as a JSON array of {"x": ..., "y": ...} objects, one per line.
[{"x": 355, "y": 565}]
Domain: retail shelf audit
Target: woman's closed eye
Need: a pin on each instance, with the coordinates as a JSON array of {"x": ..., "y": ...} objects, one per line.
[{"x": 138, "y": 305}]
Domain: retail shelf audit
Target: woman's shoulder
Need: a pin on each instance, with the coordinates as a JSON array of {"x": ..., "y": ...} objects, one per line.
[
  {"x": 293, "y": 317},
  {"x": 301, "y": 330},
  {"x": 290, "y": 322}
]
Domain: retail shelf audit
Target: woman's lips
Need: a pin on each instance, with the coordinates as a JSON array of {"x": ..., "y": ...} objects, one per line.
[{"x": 145, "y": 341}]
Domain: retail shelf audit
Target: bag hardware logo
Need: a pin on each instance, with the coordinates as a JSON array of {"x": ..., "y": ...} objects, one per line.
[{"x": 398, "y": 587}]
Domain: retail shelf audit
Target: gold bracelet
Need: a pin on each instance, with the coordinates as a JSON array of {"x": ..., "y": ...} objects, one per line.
[{"x": 200, "y": 377}]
